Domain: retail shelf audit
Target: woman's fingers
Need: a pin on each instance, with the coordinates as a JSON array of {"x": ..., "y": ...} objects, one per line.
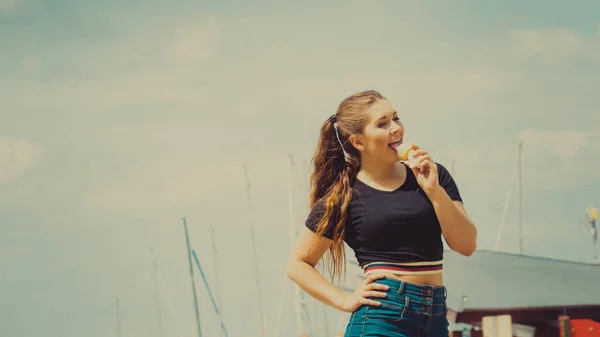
[
  {"x": 377, "y": 286},
  {"x": 372, "y": 278},
  {"x": 369, "y": 302},
  {"x": 374, "y": 294},
  {"x": 370, "y": 289}
]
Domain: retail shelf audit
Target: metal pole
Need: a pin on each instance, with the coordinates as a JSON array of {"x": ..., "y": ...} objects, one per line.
[
  {"x": 503, "y": 218},
  {"x": 187, "y": 241},
  {"x": 216, "y": 270},
  {"x": 209, "y": 293},
  {"x": 520, "y": 209},
  {"x": 300, "y": 328},
  {"x": 118, "y": 318},
  {"x": 155, "y": 268},
  {"x": 263, "y": 318},
  {"x": 595, "y": 238}
]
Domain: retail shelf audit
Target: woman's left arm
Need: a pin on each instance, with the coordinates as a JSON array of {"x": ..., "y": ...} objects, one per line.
[{"x": 458, "y": 229}]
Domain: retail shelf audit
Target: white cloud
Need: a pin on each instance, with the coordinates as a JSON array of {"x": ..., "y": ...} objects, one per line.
[
  {"x": 194, "y": 43},
  {"x": 309, "y": 89},
  {"x": 16, "y": 157},
  {"x": 553, "y": 45},
  {"x": 546, "y": 155},
  {"x": 93, "y": 96},
  {"x": 447, "y": 90},
  {"x": 121, "y": 73},
  {"x": 178, "y": 184},
  {"x": 31, "y": 64},
  {"x": 8, "y": 5},
  {"x": 560, "y": 158},
  {"x": 562, "y": 144}
]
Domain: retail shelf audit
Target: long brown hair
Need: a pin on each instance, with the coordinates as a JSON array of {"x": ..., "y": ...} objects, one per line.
[{"x": 334, "y": 172}]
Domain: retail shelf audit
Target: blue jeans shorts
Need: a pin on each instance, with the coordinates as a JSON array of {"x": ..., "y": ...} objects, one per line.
[{"x": 409, "y": 310}]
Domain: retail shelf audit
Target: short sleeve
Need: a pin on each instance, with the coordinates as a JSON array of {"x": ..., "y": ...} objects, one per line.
[
  {"x": 448, "y": 183},
  {"x": 315, "y": 216}
]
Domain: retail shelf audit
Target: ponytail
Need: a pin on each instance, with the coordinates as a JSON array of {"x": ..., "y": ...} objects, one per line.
[
  {"x": 332, "y": 178},
  {"x": 336, "y": 163}
]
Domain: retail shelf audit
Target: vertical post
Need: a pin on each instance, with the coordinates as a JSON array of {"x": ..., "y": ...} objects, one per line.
[
  {"x": 187, "y": 241},
  {"x": 595, "y": 238},
  {"x": 326, "y": 319},
  {"x": 216, "y": 270},
  {"x": 263, "y": 318},
  {"x": 209, "y": 293},
  {"x": 158, "y": 312},
  {"x": 118, "y": 318},
  {"x": 520, "y": 208},
  {"x": 300, "y": 329}
]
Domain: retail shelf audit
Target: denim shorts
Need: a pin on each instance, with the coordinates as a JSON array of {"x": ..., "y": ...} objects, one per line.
[{"x": 409, "y": 310}]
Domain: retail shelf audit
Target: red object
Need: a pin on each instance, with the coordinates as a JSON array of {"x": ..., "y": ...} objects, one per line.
[
  {"x": 584, "y": 328},
  {"x": 565, "y": 327}
]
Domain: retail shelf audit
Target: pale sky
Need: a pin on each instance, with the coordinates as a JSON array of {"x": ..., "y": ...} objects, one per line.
[{"x": 118, "y": 118}]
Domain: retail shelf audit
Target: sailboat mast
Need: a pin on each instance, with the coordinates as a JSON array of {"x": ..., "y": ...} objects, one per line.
[
  {"x": 169, "y": 306},
  {"x": 158, "y": 312},
  {"x": 187, "y": 241},
  {"x": 300, "y": 179},
  {"x": 216, "y": 270},
  {"x": 298, "y": 301},
  {"x": 593, "y": 218},
  {"x": 504, "y": 211},
  {"x": 595, "y": 249},
  {"x": 256, "y": 271},
  {"x": 118, "y": 318},
  {"x": 520, "y": 209}
]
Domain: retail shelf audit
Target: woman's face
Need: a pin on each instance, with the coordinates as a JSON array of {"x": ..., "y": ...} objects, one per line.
[{"x": 381, "y": 135}]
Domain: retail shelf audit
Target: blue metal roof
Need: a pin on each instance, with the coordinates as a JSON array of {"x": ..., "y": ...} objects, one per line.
[{"x": 496, "y": 280}]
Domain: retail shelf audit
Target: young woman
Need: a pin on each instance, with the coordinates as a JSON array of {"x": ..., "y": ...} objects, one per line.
[{"x": 392, "y": 216}]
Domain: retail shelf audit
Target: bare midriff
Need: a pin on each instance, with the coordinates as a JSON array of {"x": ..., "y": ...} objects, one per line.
[
  {"x": 429, "y": 279},
  {"x": 420, "y": 272}
]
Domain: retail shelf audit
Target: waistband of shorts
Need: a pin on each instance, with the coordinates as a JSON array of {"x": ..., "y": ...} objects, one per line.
[{"x": 400, "y": 287}]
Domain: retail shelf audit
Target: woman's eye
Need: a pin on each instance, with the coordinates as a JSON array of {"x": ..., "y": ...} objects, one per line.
[{"x": 385, "y": 123}]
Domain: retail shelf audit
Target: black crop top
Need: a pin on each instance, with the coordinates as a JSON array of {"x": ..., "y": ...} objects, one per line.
[{"x": 393, "y": 231}]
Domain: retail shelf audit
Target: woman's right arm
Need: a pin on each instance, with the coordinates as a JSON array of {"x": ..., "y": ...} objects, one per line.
[{"x": 305, "y": 255}]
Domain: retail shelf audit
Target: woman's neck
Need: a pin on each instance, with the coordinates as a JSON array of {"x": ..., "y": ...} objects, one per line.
[{"x": 380, "y": 173}]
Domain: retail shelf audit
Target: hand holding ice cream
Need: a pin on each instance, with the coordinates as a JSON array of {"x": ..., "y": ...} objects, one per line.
[
  {"x": 420, "y": 162},
  {"x": 406, "y": 152}
]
